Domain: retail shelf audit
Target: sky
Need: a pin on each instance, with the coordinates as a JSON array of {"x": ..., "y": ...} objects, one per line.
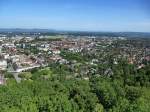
[{"x": 81, "y": 15}]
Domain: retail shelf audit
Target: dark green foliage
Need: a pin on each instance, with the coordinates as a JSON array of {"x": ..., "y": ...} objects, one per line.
[
  {"x": 74, "y": 56},
  {"x": 105, "y": 93},
  {"x": 133, "y": 93}
]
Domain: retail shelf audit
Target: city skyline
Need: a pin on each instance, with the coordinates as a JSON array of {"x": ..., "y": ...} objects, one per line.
[{"x": 83, "y": 15}]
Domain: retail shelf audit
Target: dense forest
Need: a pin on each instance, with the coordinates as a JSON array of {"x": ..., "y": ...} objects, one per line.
[{"x": 52, "y": 89}]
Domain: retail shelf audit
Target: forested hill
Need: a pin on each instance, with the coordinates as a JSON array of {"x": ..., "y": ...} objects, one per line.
[{"x": 53, "y": 89}]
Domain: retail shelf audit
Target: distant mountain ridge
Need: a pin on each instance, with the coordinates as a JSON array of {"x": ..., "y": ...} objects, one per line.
[
  {"x": 25, "y": 30},
  {"x": 77, "y": 33}
]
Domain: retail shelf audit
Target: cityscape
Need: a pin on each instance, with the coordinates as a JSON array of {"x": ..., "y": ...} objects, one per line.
[
  {"x": 80, "y": 56},
  {"x": 25, "y": 51},
  {"x": 74, "y": 56}
]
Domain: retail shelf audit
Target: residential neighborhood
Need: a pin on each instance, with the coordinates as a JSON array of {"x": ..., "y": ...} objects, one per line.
[{"x": 20, "y": 53}]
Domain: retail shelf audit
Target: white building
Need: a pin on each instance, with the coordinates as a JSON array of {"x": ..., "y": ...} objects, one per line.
[{"x": 3, "y": 64}]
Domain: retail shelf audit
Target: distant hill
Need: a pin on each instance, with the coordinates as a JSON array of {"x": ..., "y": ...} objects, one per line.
[
  {"x": 25, "y": 30},
  {"x": 78, "y": 33}
]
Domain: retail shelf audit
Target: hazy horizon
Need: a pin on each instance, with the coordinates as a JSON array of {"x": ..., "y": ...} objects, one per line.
[{"x": 73, "y": 15}]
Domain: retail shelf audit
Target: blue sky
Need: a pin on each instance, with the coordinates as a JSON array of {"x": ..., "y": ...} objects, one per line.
[{"x": 85, "y": 15}]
